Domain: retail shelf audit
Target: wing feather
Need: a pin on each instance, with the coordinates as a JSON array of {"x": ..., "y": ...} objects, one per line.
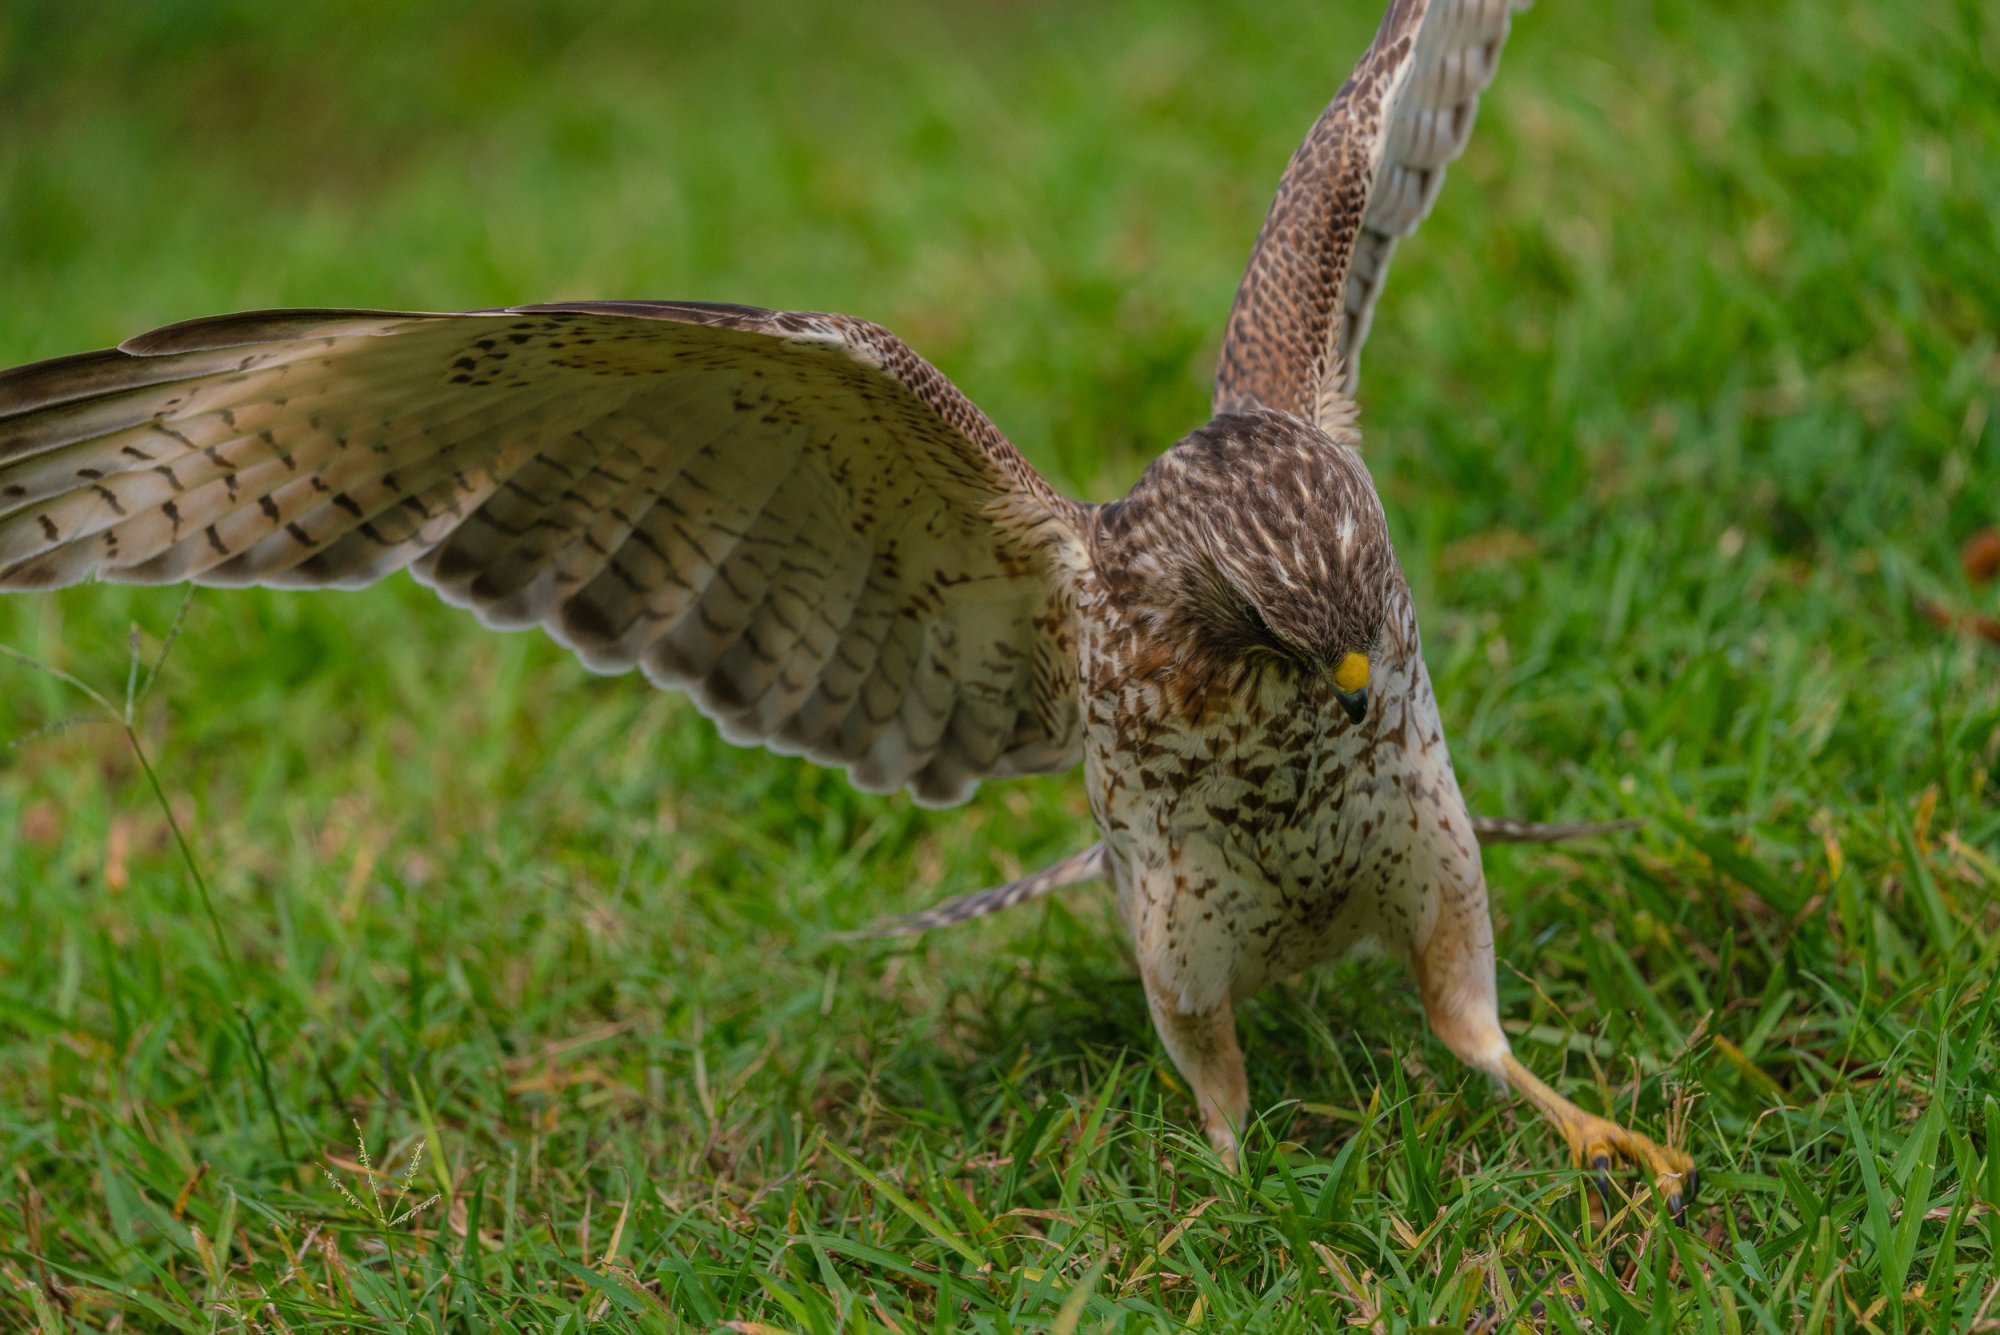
[
  {"x": 791, "y": 516},
  {"x": 1366, "y": 176},
  {"x": 1457, "y": 55}
]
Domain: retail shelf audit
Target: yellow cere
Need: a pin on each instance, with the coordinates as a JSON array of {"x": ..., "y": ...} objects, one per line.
[{"x": 1352, "y": 674}]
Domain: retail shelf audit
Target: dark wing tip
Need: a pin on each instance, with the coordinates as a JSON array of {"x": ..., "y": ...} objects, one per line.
[
  {"x": 209, "y": 332},
  {"x": 82, "y": 375},
  {"x": 60, "y": 380}
]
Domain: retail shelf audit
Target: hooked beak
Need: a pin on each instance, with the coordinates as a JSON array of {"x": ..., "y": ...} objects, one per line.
[{"x": 1350, "y": 686}]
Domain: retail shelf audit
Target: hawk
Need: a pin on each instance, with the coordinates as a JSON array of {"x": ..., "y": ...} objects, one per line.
[{"x": 800, "y": 522}]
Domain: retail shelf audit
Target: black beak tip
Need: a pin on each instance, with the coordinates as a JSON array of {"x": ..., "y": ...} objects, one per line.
[{"x": 1355, "y": 703}]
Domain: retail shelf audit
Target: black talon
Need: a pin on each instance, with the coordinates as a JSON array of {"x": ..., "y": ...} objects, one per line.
[
  {"x": 1677, "y": 1210},
  {"x": 1601, "y": 1165},
  {"x": 1693, "y": 1184}
]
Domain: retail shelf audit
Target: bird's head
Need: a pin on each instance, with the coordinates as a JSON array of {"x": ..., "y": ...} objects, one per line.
[{"x": 1269, "y": 546}]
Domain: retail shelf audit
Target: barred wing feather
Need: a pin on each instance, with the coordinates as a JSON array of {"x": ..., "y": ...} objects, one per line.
[{"x": 791, "y": 516}]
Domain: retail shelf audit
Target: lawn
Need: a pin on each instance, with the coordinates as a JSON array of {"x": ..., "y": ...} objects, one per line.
[{"x": 1683, "y": 405}]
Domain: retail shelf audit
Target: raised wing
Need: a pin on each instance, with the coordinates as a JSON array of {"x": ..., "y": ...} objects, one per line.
[
  {"x": 793, "y": 517},
  {"x": 1365, "y": 176}
]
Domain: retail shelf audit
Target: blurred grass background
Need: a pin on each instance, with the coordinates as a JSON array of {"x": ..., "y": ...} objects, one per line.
[{"x": 1682, "y": 405}]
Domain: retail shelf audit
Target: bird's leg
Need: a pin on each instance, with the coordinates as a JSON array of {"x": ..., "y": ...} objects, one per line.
[
  {"x": 1203, "y": 1046},
  {"x": 1455, "y": 976}
]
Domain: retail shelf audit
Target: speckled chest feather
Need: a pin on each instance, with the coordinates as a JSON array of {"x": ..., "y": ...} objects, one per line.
[{"x": 1252, "y": 829}]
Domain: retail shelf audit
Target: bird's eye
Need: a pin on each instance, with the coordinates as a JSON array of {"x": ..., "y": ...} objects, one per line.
[
  {"x": 1258, "y": 638},
  {"x": 1259, "y": 630}
]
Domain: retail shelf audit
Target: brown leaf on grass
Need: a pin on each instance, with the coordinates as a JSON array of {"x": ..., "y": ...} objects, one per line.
[
  {"x": 1489, "y": 548},
  {"x": 553, "y": 1082},
  {"x": 41, "y": 824},
  {"x": 187, "y": 1188},
  {"x": 1920, "y": 824},
  {"x": 1980, "y": 557},
  {"x": 117, "y": 848},
  {"x": 1968, "y": 623}
]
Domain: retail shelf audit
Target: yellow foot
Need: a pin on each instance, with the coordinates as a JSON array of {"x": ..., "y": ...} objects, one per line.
[{"x": 1595, "y": 1144}]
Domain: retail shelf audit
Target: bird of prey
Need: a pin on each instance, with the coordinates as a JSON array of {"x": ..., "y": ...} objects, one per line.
[{"x": 800, "y": 522}]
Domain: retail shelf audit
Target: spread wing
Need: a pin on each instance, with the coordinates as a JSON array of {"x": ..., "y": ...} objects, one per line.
[
  {"x": 793, "y": 517},
  {"x": 1365, "y": 176}
]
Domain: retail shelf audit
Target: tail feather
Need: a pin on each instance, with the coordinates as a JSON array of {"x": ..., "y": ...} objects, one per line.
[
  {"x": 1084, "y": 866},
  {"x": 1500, "y": 830}
]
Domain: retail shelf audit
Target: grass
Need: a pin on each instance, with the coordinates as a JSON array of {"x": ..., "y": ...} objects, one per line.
[{"x": 1681, "y": 404}]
